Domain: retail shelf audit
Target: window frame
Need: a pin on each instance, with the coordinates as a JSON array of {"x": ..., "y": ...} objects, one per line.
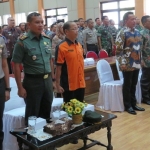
[
  {"x": 54, "y": 16},
  {"x": 114, "y": 10}
]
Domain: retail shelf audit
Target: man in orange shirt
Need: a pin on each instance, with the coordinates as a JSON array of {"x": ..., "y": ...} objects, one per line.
[{"x": 69, "y": 65}]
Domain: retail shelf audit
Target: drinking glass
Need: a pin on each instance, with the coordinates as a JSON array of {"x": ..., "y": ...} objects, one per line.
[{"x": 31, "y": 124}]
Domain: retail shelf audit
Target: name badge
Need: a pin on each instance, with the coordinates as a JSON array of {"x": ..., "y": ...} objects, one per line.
[{"x": 70, "y": 50}]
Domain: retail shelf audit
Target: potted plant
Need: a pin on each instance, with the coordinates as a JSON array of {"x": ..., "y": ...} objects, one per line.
[{"x": 74, "y": 109}]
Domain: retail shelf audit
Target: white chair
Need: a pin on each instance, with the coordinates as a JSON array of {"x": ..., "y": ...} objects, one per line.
[
  {"x": 110, "y": 94},
  {"x": 138, "y": 86}
]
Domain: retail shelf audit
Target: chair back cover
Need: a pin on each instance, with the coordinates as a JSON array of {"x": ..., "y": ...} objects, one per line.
[
  {"x": 103, "y": 54},
  {"x": 104, "y": 71},
  {"x": 91, "y": 54},
  {"x": 15, "y": 101},
  {"x": 118, "y": 70}
]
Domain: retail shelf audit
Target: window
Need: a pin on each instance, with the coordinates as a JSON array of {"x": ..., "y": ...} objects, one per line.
[
  {"x": 147, "y": 9},
  {"x": 20, "y": 17},
  {"x": 53, "y": 15},
  {"x": 5, "y": 17},
  {"x": 116, "y": 10}
]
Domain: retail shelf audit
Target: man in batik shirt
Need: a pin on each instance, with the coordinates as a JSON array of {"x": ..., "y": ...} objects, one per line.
[
  {"x": 128, "y": 45},
  {"x": 138, "y": 26},
  {"x": 105, "y": 37},
  {"x": 145, "y": 78}
]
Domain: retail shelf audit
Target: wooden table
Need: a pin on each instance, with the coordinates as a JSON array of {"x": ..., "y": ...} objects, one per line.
[
  {"x": 80, "y": 132},
  {"x": 91, "y": 77}
]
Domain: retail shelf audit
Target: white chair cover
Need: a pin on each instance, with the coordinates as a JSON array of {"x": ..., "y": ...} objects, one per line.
[
  {"x": 110, "y": 94},
  {"x": 138, "y": 86}
]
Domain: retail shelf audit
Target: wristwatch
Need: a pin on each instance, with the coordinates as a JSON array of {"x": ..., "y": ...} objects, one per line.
[{"x": 8, "y": 89}]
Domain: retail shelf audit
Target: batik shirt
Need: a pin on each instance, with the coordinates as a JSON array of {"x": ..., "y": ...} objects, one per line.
[
  {"x": 138, "y": 27},
  {"x": 105, "y": 32},
  {"x": 145, "y": 33},
  {"x": 128, "y": 48}
]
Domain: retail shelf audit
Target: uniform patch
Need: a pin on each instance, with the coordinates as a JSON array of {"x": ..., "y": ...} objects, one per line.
[{"x": 23, "y": 36}]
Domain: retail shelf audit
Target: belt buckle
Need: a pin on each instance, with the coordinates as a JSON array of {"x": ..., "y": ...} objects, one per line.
[{"x": 45, "y": 76}]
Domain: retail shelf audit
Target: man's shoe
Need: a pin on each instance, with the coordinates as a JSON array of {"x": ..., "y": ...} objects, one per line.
[
  {"x": 146, "y": 102},
  {"x": 131, "y": 111},
  {"x": 138, "y": 108}
]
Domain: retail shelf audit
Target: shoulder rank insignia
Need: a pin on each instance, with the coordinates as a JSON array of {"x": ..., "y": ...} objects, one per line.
[
  {"x": 23, "y": 36},
  {"x": 46, "y": 36}
]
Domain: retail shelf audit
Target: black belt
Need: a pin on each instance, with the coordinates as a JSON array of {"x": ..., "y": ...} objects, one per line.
[
  {"x": 92, "y": 44},
  {"x": 44, "y": 76}
]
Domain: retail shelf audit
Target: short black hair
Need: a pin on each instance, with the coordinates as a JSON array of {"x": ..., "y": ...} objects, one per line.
[
  {"x": 66, "y": 25},
  {"x": 144, "y": 19},
  {"x": 96, "y": 19},
  {"x": 126, "y": 15},
  {"x": 21, "y": 24},
  {"x": 4, "y": 25},
  {"x": 53, "y": 25},
  {"x": 89, "y": 20},
  {"x": 34, "y": 14},
  {"x": 80, "y": 19},
  {"x": 103, "y": 17},
  {"x": 76, "y": 21}
]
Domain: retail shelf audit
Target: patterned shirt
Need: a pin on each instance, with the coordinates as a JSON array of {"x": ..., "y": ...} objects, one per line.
[
  {"x": 97, "y": 26},
  {"x": 128, "y": 46},
  {"x": 11, "y": 35},
  {"x": 105, "y": 32},
  {"x": 145, "y": 33}
]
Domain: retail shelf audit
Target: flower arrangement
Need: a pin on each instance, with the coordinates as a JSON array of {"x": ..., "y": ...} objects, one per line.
[{"x": 74, "y": 107}]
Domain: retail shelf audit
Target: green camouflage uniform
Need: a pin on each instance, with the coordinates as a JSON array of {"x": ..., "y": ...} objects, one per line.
[
  {"x": 139, "y": 27},
  {"x": 97, "y": 26},
  {"x": 105, "y": 33},
  {"x": 145, "y": 33}
]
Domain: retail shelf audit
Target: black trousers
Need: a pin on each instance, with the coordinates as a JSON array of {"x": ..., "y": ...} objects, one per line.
[
  {"x": 92, "y": 47},
  {"x": 2, "y": 105},
  {"x": 129, "y": 87},
  {"x": 77, "y": 94},
  {"x": 145, "y": 84},
  {"x": 9, "y": 65},
  {"x": 39, "y": 97}
]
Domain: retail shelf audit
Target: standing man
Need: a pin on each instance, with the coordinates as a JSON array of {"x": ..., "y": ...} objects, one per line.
[
  {"x": 113, "y": 29},
  {"x": 46, "y": 31},
  {"x": 105, "y": 37},
  {"x": 90, "y": 37},
  {"x": 11, "y": 34},
  {"x": 33, "y": 50},
  {"x": 145, "y": 78},
  {"x": 81, "y": 23},
  {"x": 98, "y": 23},
  {"x": 4, "y": 85},
  {"x": 128, "y": 43},
  {"x": 69, "y": 65},
  {"x": 22, "y": 27},
  {"x": 138, "y": 26}
]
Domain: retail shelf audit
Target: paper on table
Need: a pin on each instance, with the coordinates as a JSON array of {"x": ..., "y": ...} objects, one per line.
[{"x": 41, "y": 135}]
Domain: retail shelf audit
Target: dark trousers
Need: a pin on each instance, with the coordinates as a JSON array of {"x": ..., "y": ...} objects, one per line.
[
  {"x": 92, "y": 47},
  {"x": 145, "y": 84},
  {"x": 77, "y": 94},
  {"x": 9, "y": 65},
  {"x": 2, "y": 105},
  {"x": 39, "y": 97},
  {"x": 129, "y": 87}
]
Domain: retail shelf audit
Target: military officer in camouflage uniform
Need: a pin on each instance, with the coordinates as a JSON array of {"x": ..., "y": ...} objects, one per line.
[
  {"x": 98, "y": 23},
  {"x": 34, "y": 51},
  {"x": 138, "y": 26},
  {"x": 105, "y": 37}
]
